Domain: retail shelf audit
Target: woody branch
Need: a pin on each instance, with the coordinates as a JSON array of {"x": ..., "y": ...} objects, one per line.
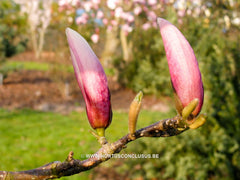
[{"x": 71, "y": 166}]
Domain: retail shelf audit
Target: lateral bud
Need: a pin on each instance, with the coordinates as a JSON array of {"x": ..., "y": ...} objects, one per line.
[
  {"x": 199, "y": 121},
  {"x": 133, "y": 113},
  {"x": 187, "y": 111}
]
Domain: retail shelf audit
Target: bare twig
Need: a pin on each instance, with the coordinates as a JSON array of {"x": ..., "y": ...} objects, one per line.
[{"x": 57, "y": 169}]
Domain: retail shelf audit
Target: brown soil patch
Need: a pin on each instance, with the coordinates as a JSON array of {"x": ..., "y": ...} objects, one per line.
[
  {"x": 36, "y": 90},
  {"x": 43, "y": 91}
]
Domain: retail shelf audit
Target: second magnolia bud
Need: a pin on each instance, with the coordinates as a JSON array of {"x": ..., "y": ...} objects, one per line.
[{"x": 183, "y": 67}]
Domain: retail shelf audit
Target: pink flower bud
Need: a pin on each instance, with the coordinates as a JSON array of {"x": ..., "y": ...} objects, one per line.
[
  {"x": 152, "y": 16},
  {"x": 91, "y": 80},
  {"x": 105, "y": 21},
  {"x": 118, "y": 12},
  {"x": 152, "y": 2},
  {"x": 87, "y": 6},
  {"x": 83, "y": 19},
  {"x": 100, "y": 14},
  {"x": 183, "y": 66},
  {"x": 137, "y": 10},
  {"x": 95, "y": 38},
  {"x": 146, "y": 26}
]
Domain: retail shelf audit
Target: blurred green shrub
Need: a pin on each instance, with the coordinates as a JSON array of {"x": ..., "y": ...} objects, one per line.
[
  {"x": 148, "y": 70},
  {"x": 213, "y": 151},
  {"x": 206, "y": 153},
  {"x": 12, "y": 28},
  {"x": 218, "y": 54}
]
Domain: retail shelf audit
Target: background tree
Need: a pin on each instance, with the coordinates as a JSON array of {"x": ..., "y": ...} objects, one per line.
[
  {"x": 38, "y": 17},
  {"x": 119, "y": 18}
]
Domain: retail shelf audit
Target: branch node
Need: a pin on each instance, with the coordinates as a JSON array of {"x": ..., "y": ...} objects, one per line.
[
  {"x": 132, "y": 137},
  {"x": 4, "y": 175},
  {"x": 70, "y": 156},
  {"x": 93, "y": 133},
  {"x": 101, "y": 139}
]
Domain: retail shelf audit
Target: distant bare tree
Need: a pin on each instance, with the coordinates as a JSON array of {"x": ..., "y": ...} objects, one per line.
[{"x": 39, "y": 16}]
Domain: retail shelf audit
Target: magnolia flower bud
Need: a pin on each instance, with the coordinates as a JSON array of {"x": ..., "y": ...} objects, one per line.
[
  {"x": 92, "y": 81},
  {"x": 183, "y": 66}
]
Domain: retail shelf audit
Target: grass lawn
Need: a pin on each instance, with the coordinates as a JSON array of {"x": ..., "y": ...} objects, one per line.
[
  {"x": 29, "y": 139},
  {"x": 27, "y": 65},
  {"x": 8, "y": 66}
]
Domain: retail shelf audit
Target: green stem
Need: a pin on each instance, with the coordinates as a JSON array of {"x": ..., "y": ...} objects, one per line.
[{"x": 100, "y": 132}]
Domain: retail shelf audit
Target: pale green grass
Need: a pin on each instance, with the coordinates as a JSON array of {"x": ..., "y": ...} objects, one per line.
[
  {"x": 29, "y": 139},
  {"x": 8, "y": 66},
  {"x": 27, "y": 65}
]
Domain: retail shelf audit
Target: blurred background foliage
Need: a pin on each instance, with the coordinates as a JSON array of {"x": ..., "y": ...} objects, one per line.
[
  {"x": 211, "y": 152},
  {"x": 13, "y": 37}
]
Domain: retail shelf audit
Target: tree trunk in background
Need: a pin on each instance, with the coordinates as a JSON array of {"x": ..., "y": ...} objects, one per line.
[
  {"x": 41, "y": 42},
  {"x": 39, "y": 16},
  {"x": 1, "y": 79},
  {"x": 37, "y": 39},
  {"x": 111, "y": 47},
  {"x": 33, "y": 39},
  {"x": 126, "y": 47}
]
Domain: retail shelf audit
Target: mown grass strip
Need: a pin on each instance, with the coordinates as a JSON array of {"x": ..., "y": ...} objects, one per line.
[{"x": 29, "y": 139}]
